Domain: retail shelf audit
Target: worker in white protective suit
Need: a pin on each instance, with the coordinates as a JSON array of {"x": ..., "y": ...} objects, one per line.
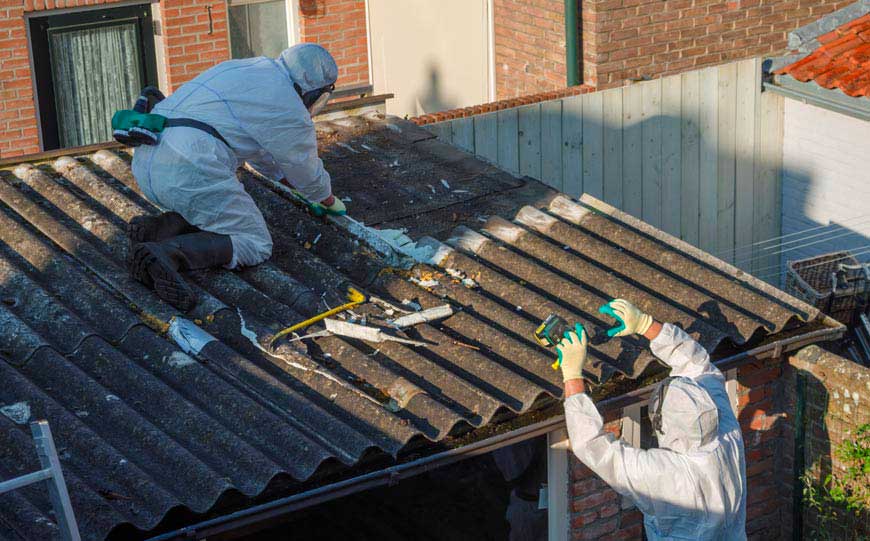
[
  {"x": 256, "y": 110},
  {"x": 693, "y": 486}
]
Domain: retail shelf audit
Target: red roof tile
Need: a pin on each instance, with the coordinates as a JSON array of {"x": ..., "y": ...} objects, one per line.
[
  {"x": 441, "y": 116},
  {"x": 842, "y": 61}
]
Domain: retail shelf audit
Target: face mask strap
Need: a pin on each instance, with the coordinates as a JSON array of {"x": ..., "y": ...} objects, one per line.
[{"x": 658, "y": 402}]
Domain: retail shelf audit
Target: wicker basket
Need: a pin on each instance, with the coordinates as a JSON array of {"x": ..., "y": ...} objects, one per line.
[{"x": 814, "y": 281}]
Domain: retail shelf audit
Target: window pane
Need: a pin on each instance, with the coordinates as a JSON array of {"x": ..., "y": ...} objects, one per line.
[
  {"x": 258, "y": 29},
  {"x": 241, "y": 47},
  {"x": 96, "y": 71}
]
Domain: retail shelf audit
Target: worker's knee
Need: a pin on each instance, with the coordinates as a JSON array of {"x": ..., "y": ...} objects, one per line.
[{"x": 249, "y": 250}]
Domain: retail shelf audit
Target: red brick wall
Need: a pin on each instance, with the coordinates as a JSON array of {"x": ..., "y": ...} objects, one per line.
[
  {"x": 340, "y": 26},
  {"x": 625, "y": 39},
  {"x": 189, "y": 48},
  {"x": 529, "y": 46},
  {"x": 597, "y": 511}
]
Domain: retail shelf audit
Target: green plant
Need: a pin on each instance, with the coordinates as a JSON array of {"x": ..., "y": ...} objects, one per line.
[{"x": 841, "y": 494}]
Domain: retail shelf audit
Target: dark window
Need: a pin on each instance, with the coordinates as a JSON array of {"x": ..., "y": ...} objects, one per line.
[{"x": 89, "y": 64}]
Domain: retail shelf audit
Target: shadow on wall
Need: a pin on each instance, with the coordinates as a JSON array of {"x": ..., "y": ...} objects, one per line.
[
  {"x": 820, "y": 217},
  {"x": 433, "y": 97}
]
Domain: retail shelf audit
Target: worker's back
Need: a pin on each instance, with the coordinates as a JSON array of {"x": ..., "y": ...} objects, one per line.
[{"x": 240, "y": 99}]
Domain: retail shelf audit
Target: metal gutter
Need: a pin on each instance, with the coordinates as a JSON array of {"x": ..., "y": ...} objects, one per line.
[
  {"x": 247, "y": 518},
  {"x": 832, "y": 100}
]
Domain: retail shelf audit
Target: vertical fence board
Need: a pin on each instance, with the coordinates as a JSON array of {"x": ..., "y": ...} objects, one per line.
[
  {"x": 463, "y": 133},
  {"x": 572, "y": 145},
  {"x": 486, "y": 137},
  {"x": 748, "y": 83},
  {"x": 530, "y": 139},
  {"x": 593, "y": 144},
  {"x": 709, "y": 156},
  {"x": 442, "y": 131},
  {"x": 551, "y": 143},
  {"x": 689, "y": 155},
  {"x": 697, "y": 155},
  {"x": 632, "y": 142},
  {"x": 727, "y": 160},
  {"x": 508, "y": 140},
  {"x": 613, "y": 146},
  {"x": 671, "y": 154},
  {"x": 767, "y": 210},
  {"x": 652, "y": 152}
]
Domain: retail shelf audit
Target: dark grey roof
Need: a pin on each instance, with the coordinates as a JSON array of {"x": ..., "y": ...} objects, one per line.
[{"x": 153, "y": 413}]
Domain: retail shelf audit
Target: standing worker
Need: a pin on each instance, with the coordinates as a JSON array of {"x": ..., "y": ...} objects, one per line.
[
  {"x": 256, "y": 110},
  {"x": 693, "y": 486}
]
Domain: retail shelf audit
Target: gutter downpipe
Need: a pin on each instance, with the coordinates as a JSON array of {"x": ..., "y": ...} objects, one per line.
[
  {"x": 393, "y": 474},
  {"x": 572, "y": 60}
]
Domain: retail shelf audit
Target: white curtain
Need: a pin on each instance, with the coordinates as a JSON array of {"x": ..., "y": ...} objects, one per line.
[{"x": 96, "y": 71}]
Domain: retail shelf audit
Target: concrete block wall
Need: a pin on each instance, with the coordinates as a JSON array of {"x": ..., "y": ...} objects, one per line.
[
  {"x": 826, "y": 167},
  {"x": 630, "y": 39},
  {"x": 598, "y": 512}
]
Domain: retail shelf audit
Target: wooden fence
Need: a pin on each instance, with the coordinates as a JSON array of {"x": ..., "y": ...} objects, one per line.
[{"x": 697, "y": 154}]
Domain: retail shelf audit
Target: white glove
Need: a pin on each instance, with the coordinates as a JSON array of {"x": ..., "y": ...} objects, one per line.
[
  {"x": 572, "y": 353},
  {"x": 632, "y": 320}
]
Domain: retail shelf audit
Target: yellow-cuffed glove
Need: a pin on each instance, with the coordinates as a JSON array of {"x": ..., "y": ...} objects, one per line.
[
  {"x": 572, "y": 353},
  {"x": 631, "y": 319},
  {"x": 337, "y": 208}
]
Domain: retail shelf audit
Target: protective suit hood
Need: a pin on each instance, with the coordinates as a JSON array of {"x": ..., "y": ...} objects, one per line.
[
  {"x": 310, "y": 66},
  {"x": 690, "y": 420}
]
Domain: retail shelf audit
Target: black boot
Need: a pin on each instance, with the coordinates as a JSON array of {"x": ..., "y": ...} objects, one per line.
[
  {"x": 153, "y": 228},
  {"x": 157, "y": 264}
]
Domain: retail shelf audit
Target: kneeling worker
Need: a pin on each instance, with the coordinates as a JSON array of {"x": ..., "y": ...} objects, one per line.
[
  {"x": 693, "y": 486},
  {"x": 256, "y": 110}
]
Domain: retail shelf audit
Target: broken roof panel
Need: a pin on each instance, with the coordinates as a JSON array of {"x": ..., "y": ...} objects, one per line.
[{"x": 154, "y": 410}]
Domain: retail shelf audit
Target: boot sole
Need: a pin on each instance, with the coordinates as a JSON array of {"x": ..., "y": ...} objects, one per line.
[{"x": 151, "y": 268}]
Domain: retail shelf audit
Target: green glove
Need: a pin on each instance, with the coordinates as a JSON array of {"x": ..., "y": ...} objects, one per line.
[
  {"x": 337, "y": 208},
  {"x": 572, "y": 353},
  {"x": 631, "y": 320}
]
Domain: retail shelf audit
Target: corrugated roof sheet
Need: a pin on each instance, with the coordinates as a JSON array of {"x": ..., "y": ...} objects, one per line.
[
  {"x": 842, "y": 60},
  {"x": 145, "y": 426}
]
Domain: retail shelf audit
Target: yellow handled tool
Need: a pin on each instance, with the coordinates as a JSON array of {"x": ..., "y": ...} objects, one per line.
[{"x": 354, "y": 297}]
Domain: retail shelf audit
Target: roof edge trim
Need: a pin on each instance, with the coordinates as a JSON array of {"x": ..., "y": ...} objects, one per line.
[{"x": 812, "y": 93}]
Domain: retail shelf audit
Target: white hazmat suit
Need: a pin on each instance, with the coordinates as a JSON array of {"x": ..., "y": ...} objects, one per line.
[
  {"x": 253, "y": 104},
  {"x": 694, "y": 485}
]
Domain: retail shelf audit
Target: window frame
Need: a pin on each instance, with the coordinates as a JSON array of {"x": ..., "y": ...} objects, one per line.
[
  {"x": 39, "y": 28},
  {"x": 291, "y": 8}
]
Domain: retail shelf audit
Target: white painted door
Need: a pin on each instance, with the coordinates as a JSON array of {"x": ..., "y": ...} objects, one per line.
[{"x": 432, "y": 54}]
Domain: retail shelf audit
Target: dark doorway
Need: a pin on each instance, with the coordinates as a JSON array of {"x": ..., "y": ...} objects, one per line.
[{"x": 87, "y": 65}]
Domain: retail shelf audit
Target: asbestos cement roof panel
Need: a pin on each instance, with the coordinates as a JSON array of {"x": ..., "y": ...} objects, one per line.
[{"x": 160, "y": 415}]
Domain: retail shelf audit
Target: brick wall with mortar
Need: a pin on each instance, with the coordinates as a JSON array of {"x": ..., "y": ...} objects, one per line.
[
  {"x": 190, "y": 46},
  {"x": 597, "y": 512},
  {"x": 627, "y": 39},
  {"x": 837, "y": 402},
  {"x": 340, "y": 26},
  {"x": 529, "y": 46}
]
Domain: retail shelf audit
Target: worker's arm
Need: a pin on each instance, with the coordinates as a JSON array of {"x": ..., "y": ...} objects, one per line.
[
  {"x": 266, "y": 166},
  {"x": 289, "y": 137},
  {"x": 682, "y": 353},
  {"x": 632, "y": 472}
]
